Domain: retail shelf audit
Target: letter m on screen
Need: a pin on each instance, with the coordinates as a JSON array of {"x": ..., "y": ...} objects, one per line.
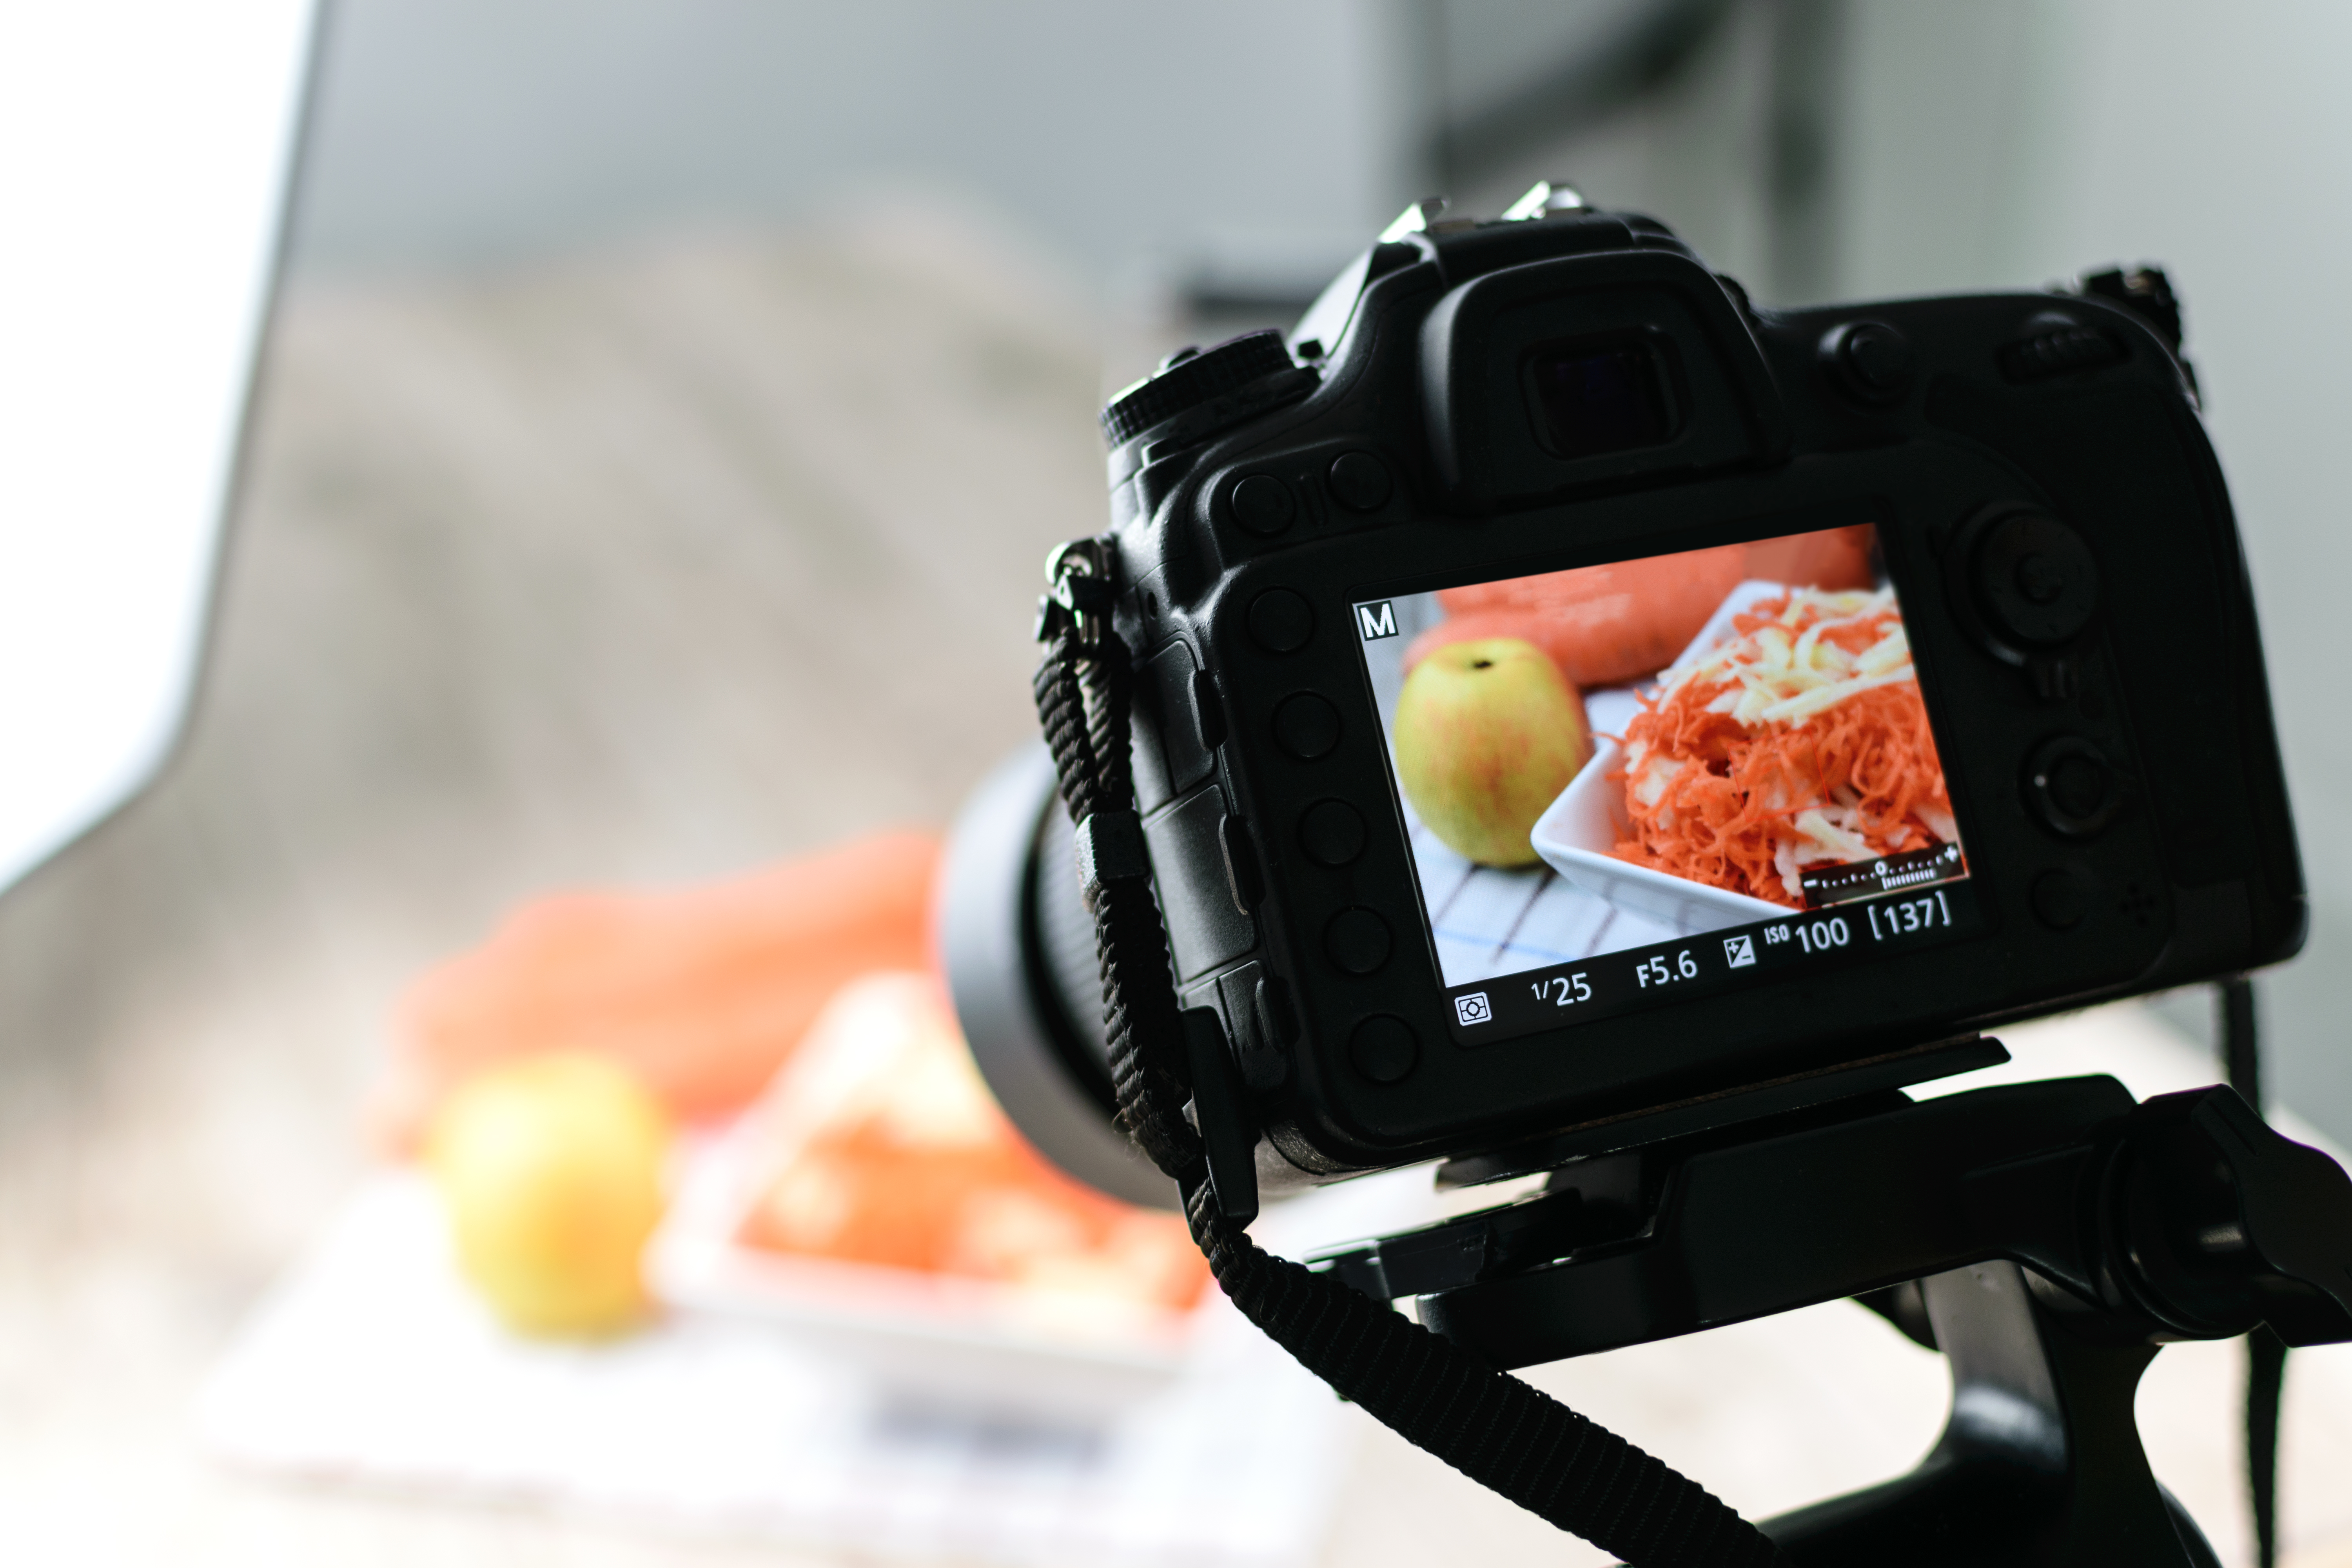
[{"x": 1377, "y": 621}]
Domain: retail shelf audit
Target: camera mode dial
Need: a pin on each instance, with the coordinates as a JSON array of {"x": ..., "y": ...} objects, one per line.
[{"x": 1191, "y": 377}]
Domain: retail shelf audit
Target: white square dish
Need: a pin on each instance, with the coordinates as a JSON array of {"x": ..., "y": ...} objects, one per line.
[{"x": 1577, "y": 831}]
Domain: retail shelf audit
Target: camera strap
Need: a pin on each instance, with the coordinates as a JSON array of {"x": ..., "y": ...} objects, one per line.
[{"x": 1488, "y": 1425}]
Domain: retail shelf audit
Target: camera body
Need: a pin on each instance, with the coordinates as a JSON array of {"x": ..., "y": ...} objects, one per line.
[{"x": 1472, "y": 418}]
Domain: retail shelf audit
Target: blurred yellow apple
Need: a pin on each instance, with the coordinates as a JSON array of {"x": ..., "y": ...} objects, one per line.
[
  {"x": 1487, "y": 735},
  {"x": 550, "y": 1170}
]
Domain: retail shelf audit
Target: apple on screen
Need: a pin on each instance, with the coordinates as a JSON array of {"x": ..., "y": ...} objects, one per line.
[{"x": 145, "y": 151}]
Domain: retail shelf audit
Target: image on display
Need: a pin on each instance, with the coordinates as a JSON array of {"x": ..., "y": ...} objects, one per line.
[{"x": 1617, "y": 759}]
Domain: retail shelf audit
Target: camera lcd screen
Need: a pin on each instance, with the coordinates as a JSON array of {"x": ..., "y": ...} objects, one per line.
[
  {"x": 1597, "y": 397},
  {"x": 1630, "y": 784}
]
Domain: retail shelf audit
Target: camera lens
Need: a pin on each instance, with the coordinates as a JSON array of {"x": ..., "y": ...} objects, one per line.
[{"x": 1019, "y": 948}]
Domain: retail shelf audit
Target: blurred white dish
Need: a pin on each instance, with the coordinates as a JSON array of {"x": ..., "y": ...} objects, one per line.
[
  {"x": 886, "y": 1053},
  {"x": 933, "y": 1338},
  {"x": 1576, "y": 832}
]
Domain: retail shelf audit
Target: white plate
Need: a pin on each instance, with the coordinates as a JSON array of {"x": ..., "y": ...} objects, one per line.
[
  {"x": 961, "y": 1342},
  {"x": 970, "y": 1341},
  {"x": 1577, "y": 831}
]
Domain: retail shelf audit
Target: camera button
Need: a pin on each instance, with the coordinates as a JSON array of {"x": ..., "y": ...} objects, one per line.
[
  {"x": 1280, "y": 621},
  {"x": 1383, "y": 1049},
  {"x": 1263, "y": 505},
  {"x": 2063, "y": 897},
  {"x": 1869, "y": 361},
  {"x": 1331, "y": 832},
  {"x": 1359, "y": 482},
  {"x": 2071, "y": 788},
  {"x": 1307, "y": 726},
  {"x": 1357, "y": 941}
]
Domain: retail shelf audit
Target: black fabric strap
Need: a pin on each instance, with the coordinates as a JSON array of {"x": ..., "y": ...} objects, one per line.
[{"x": 1491, "y": 1427}]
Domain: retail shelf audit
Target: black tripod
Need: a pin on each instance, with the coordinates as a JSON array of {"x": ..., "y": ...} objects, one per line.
[{"x": 2047, "y": 1237}]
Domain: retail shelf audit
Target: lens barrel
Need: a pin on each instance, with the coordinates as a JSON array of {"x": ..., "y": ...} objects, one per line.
[{"x": 1019, "y": 947}]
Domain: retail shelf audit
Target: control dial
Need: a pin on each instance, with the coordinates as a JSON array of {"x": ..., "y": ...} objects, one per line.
[
  {"x": 1190, "y": 377},
  {"x": 2023, "y": 583},
  {"x": 2035, "y": 580}
]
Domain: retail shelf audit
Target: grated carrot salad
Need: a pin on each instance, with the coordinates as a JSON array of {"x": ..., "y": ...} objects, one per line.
[{"x": 1799, "y": 740}]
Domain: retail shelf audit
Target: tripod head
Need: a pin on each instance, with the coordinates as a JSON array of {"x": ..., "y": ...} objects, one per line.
[{"x": 2046, "y": 1236}]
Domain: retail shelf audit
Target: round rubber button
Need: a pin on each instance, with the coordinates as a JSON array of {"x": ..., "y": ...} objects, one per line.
[
  {"x": 2071, "y": 788},
  {"x": 1263, "y": 504},
  {"x": 1357, "y": 940},
  {"x": 1383, "y": 1049},
  {"x": 1280, "y": 621},
  {"x": 2063, "y": 897},
  {"x": 1870, "y": 362},
  {"x": 1331, "y": 832},
  {"x": 1360, "y": 481},
  {"x": 1307, "y": 726}
]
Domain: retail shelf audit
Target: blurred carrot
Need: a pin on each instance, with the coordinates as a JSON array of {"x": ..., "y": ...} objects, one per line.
[
  {"x": 1606, "y": 624},
  {"x": 1601, "y": 624},
  {"x": 1831, "y": 559},
  {"x": 701, "y": 992}
]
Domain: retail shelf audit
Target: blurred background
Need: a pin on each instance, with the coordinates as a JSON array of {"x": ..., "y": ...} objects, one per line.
[{"x": 668, "y": 404}]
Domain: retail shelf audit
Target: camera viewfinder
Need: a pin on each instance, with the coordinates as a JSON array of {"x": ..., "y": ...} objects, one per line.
[{"x": 1599, "y": 395}]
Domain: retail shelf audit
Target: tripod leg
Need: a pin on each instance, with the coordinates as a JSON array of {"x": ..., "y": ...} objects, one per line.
[
  {"x": 2265, "y": 1352},
  {"x": 2265, "y": 1378}
]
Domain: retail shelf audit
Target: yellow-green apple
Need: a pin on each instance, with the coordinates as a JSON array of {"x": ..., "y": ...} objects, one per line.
[{"x": 1488, "y": 732}]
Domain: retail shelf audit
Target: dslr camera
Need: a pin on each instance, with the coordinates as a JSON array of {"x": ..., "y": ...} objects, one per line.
[{"x": 1575, "y": 705}]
